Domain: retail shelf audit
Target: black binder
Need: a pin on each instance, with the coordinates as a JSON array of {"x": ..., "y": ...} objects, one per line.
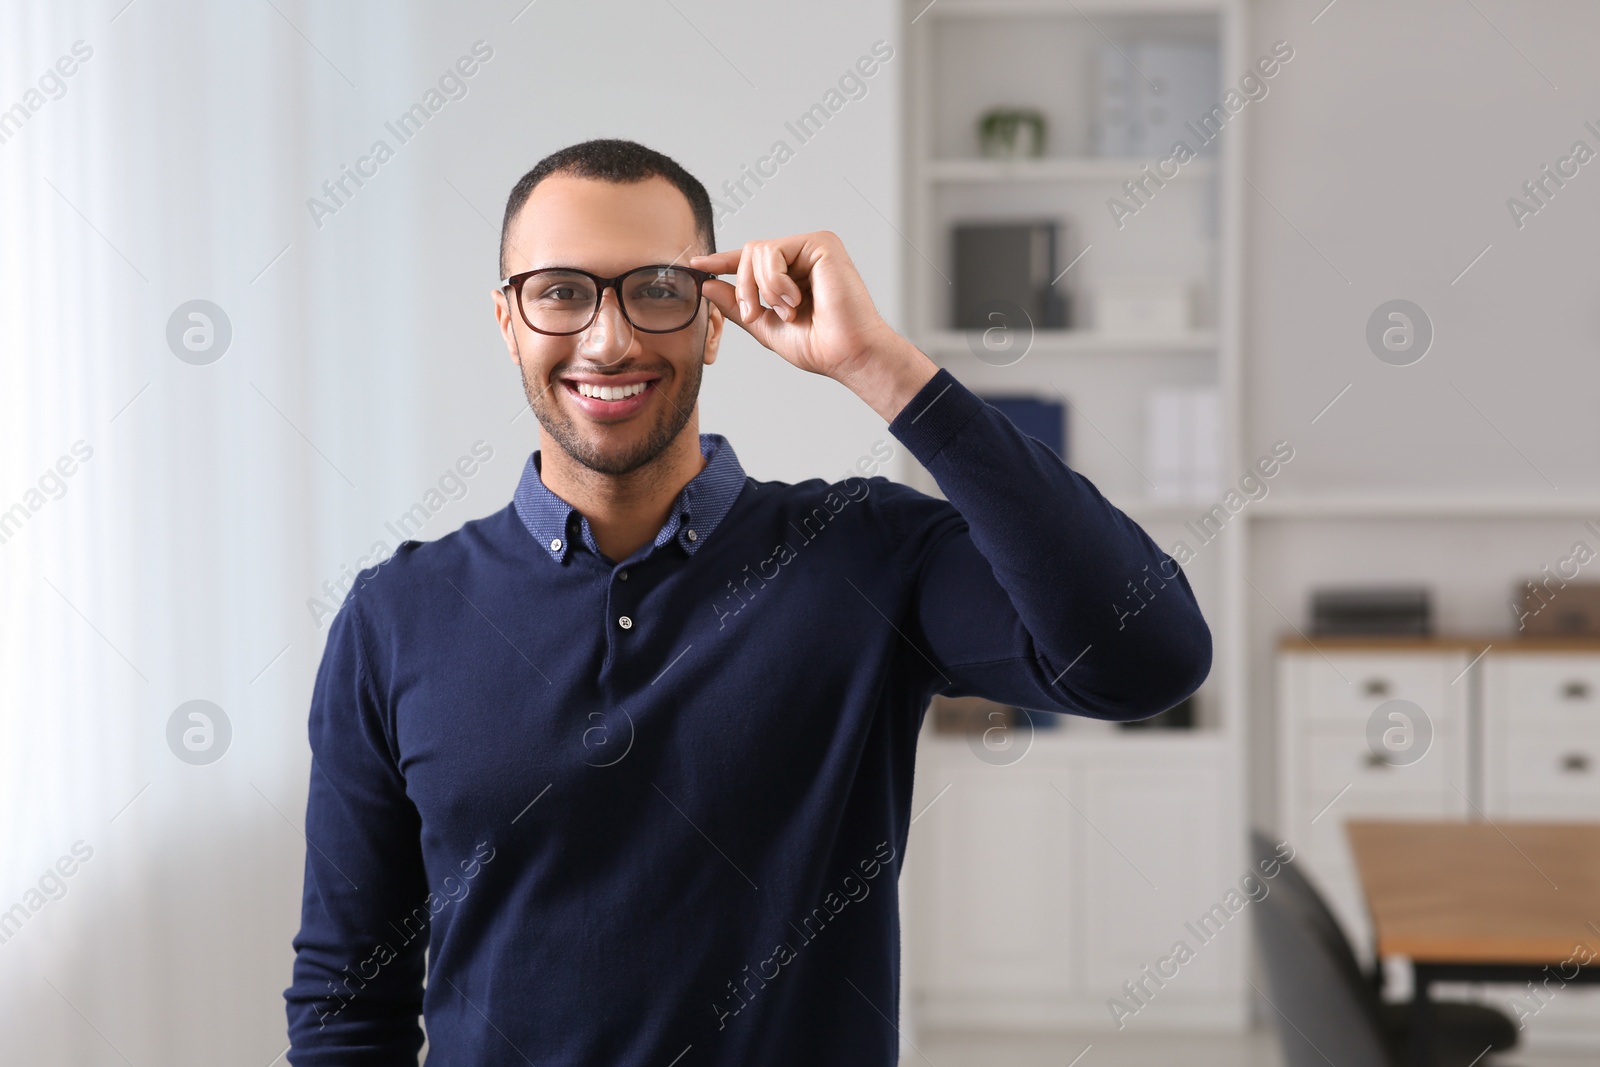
[{"x": 1011, "y": 263}]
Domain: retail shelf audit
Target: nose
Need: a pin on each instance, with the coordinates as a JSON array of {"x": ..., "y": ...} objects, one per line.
[{"x": 610, "y": 336}]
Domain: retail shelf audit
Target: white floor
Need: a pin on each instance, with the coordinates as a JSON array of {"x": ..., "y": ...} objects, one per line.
[{"x": 951, "y": 1048}]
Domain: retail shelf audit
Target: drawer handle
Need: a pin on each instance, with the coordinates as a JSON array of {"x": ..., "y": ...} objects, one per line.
[
  {"x": 1376, "y": 687},
  {"x": 1575, "y": 690},
  {"x": 1575, "y": 763}
]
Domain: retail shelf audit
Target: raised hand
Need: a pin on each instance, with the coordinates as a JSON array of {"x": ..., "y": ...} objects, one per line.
[{"x": 802, "y": 297}]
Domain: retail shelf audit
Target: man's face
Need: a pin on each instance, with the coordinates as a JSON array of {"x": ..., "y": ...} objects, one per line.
[{"x": 608, "y": 228}]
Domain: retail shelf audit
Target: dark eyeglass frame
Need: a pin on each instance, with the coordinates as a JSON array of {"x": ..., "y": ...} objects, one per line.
[{"x": 517, "y": 281}]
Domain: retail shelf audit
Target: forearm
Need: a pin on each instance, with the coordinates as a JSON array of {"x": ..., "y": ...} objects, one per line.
[
  {"x": 358, "y": 967},
  {"x": 344, "y": 1010}
]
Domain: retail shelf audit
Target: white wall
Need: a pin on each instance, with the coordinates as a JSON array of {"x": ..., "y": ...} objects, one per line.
[
  {"x": 364, "y": 360},
  {"x": 1388, "y": 148}
]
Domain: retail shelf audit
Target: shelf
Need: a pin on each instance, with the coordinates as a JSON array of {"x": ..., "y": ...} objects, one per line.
[
  {"x": 1065, "y": 169},
  {"x": 954, "y": 9},
  {"x": 1353, "y": 507},
  {"x": 1350, "y": 506},
  {"x": 1141, "y": 510},
  {"x": 1369, "y": 507},
  {"x": 1065, "y": 741},
  {"x": 1086, "y": 342},
  {"x": 1506, "y": 641}
]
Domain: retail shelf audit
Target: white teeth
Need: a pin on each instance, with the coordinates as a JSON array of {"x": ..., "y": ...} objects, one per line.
[{"x": 611, "y": 392}]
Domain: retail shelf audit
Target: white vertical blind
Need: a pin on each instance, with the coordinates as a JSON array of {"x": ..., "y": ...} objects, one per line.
[{"x": 176, "y": 563}]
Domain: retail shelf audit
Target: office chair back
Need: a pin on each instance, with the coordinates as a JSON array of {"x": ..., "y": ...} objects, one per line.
[
  {"x": 1292, "y": 880},
  {"x": 1322, "y": 1006}
]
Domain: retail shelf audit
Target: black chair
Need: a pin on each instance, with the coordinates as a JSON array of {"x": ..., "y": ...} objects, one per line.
[{"x": 1326, "y": 1008}]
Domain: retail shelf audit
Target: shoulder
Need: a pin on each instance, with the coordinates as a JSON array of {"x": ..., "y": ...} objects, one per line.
[
  {"x": 410, "y": 579},
  {"x": 897, "y": 510}
]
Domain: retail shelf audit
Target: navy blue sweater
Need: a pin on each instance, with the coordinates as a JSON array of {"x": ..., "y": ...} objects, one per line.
[{"x": 675, "y": 841}]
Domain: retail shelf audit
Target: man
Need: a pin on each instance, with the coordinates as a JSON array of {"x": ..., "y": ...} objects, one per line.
[{"x": 632, "y": 757}]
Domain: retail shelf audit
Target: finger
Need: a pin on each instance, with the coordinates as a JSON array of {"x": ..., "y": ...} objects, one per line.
[
  {"x": 778, "y": 288},
  {"x": 766, "y": 263},
  {"x": 725, "y": 297},
  {"x": 749, "y": 296},
  {"x": 785, "y": 286},
  {"x": 759, "y": 256},
  {"x": 796, "y": 246},
  {"x": 717, "y": 262}
]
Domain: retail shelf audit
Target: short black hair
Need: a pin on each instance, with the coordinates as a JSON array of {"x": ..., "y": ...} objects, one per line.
[{"x": 611, "y": 160}]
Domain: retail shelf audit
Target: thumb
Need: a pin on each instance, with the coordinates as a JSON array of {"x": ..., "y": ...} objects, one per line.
[{"x": 725, "y": 297}]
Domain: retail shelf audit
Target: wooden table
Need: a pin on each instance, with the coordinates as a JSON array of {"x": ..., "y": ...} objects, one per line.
[{"x": 1481, "y": 902}]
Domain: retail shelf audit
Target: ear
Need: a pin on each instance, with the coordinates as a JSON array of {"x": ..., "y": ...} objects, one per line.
[
  {"x": 508, "y": 329},
  {"x": 714, "y": 324}
]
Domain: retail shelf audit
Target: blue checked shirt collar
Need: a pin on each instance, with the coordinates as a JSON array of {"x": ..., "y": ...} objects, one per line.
[{"x": 556, "y": 524}]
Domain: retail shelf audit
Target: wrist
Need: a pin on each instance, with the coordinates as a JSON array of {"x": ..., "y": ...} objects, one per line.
[{"x": 888, "y": 374}]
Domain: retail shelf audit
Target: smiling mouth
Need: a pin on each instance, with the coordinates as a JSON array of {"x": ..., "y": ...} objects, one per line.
[{"x": 610, "y": 401}]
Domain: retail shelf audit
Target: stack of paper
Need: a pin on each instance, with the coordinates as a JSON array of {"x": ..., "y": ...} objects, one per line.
[
  {"x": 1148, "y": 89},
  {"x": 1183, "y": 442}
]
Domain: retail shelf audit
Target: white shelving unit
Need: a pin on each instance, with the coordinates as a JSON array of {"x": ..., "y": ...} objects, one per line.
[
  {"x": 1017, "y": 874},
  {"x": 1080, "y": 343},
  {"x": 1375, "y": 506},
  {"x": 1091, "y": 169},
  {"x": 1035, "y": 890}
]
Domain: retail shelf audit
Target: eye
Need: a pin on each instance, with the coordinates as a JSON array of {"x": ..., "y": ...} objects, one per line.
[
  {"x": 560, "y": 292},
  {"x": 661, "y": 286}
]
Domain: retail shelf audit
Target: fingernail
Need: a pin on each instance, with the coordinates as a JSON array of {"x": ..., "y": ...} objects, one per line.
[
  {"x": 787, "y": 299},
  {"x": 744, "y": 309}
]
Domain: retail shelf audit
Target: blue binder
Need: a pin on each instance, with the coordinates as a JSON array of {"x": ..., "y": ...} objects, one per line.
[{"x": 1043, "y": 419}]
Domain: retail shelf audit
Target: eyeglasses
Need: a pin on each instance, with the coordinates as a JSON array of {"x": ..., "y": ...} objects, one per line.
[{"x": 560, "y": 301}]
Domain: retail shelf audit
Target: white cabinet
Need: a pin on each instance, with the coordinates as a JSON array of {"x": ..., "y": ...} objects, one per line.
[
  {"x": 1541, "y": 719},
  {"x": 1541, "y": 760},
  {"x": 1151, "y": 863},
  {"x": 1333, "y": 770},
  {"x": 1036, "y": 890},
  {"x": 1527, "y": 713},
  {"x": 1000, "y": 895}
]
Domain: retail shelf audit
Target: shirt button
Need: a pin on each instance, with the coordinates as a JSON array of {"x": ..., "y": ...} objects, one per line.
[
  {"x": 691, "y": 535},
  {"x": 625, "y": 622},
  {"x": 555, "y": 545},
  {"x": 622, "y": 575}
]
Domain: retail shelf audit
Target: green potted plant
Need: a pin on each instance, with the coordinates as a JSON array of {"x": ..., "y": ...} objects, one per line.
[{"x": 1012, "y": 133}]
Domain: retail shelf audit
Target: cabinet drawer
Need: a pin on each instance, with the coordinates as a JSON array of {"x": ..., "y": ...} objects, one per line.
[
  {"x": 1340, "y": 756},
  {"x": 1558, "y": 688},
  {"x": 1553, "y": 762},
  {"x": 1347, "y": 686},
  {"x": 1550, "y": 807}
]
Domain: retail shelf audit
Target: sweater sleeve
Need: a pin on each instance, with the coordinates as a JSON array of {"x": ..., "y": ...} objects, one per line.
[
  {"x": 1029, "y": 587},
  {"x": 355, "y": 999}
]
